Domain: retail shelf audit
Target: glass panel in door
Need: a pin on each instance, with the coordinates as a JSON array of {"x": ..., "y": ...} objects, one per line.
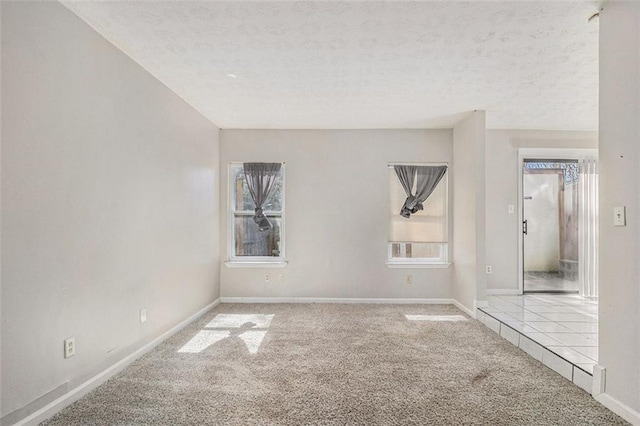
[{"x": 550, "y": 225}]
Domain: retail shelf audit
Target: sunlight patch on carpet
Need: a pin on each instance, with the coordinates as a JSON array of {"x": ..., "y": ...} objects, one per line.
[
  {"x": 253, "y": 339},
  {"x": 249, "y": 328},
  {"x": 237, "y": 320},
  {"x": 203, "y": 340},
  {"x": 449, "y": 318}
]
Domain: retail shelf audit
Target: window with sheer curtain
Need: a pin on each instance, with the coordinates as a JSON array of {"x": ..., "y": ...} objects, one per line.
[
  {"x": 421, "y": 238},
  {"x": 247, "y": 241}
]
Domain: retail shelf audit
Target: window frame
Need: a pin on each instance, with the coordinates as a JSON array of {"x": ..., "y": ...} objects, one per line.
[
  {"x": 423, "y": 262},
  {"x": 253, "y": 261}
]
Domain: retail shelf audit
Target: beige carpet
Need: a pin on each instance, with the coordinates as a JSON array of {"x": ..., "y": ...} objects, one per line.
[{"x": 335, "y": 364}]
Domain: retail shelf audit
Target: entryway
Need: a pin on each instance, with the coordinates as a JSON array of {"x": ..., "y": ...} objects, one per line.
[
  {"x": 558, "y": 208},
  {"x": 550, "y": 225}
]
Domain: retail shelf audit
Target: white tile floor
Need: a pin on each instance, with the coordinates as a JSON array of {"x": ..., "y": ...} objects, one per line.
[
  {"x": 566, "y": 325},
  {"x": 549, "y": 281}
]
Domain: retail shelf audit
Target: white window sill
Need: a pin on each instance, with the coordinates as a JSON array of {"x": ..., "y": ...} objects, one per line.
[
  {"x": 415, "y": 265},
  {"x": 254, "y": 264}
]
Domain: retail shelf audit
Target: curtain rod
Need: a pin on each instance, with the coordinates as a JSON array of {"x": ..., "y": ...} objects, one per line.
[
  {"x": 242, "y": 162},
  {"x": 417, "y": 164}
]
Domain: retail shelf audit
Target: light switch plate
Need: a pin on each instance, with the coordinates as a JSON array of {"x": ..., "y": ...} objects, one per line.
[
  {"x": 619, "y": 216},
  {"x": 511, "y": 209}
]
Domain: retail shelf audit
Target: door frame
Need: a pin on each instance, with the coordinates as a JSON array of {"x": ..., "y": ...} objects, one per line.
[{"x": 542, "y": 154}]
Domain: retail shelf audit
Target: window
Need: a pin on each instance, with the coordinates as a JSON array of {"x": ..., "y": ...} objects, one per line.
[
  {"x": 421, "y": 238},
  {"x": 247, "y": 242}
]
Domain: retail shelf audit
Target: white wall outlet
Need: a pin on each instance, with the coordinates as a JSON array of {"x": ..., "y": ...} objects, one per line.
[
  {"x": 408, "y": 279},
  {"x": 69, "y": 347},
  {"x": 267, "y": 278},
  {"x": 281, "y": 278},
  {"x": 489, "y": 269},
  {"x": 143, "y": 316},
  {"x": 619, "y": 216},
  {"x": 511, "y": 209}
]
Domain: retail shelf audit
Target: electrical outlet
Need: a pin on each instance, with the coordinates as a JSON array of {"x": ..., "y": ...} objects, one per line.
[
  {"x": 143, "y": 316},
  {"x": 281, "y": 277},
  {"x": 408, "y": 279},
  {"x": 489, "y": 269},
  {"x": 69, "y": 347},
  {"x": 267, "y": 278}
]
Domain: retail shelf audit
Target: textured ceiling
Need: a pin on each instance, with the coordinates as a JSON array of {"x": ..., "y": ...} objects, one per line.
[{"x": 332, "y": 65}]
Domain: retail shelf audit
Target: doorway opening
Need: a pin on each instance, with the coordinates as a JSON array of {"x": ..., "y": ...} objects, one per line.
[
  {"x": 550, "y": 225},
  {"x": 558, "y": 210}
]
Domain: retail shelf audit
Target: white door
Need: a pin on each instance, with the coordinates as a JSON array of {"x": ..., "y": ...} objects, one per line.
[{"x": 550, "y": 225}]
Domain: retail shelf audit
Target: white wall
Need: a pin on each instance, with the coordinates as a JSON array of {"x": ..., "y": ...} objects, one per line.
[
  {"x": 337, "y": 203},
  {"x": 502, "y": 176},
  {"x": 469, "y": 282},
  {"x": 109, "y": 204},
  {"x": 619, "y": 307}
]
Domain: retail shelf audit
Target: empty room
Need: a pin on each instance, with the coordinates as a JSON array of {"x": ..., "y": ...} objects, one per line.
[{"x": 319, "y": 212}]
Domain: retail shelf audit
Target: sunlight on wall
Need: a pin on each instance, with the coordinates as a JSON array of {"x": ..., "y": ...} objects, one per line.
[
  {"x": 435, "y": 318},
  {"x": 246, "y": 327}
]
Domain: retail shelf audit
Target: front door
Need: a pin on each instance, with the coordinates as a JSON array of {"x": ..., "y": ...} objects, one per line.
[{"x": 550, "y": 225}]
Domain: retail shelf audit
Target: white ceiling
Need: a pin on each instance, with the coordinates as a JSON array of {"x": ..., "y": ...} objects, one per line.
[{"x": 347, "y": 64}]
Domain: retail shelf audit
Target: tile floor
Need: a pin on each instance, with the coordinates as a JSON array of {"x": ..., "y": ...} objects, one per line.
[
  {"x": 549, "y": 281},
  {"x": 566, "y": 325}
]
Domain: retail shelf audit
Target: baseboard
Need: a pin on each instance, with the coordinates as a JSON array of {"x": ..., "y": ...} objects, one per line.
[
  {"x": 463, "y": 308},
  {"x": 349, "y": 300},
  {"x": 621, "y": 409},
  {"x": 78, "y": 392},
  {"x": 599, "y": 380},
  {"x": 503, "y": 291}
]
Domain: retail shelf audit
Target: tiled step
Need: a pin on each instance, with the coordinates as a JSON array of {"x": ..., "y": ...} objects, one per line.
[{"x": 570, "y": 371}]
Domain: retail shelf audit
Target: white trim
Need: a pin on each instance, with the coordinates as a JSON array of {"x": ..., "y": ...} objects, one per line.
[
  {"x": 347, "y": 300},
  {"x": 415, "y": 265},
  {"x": 239, "y": 264},
  {"x": 557, "y": 153},
  {"x": 599, "y": 380},
  {"x": 78, "y": 392},
  {"x": 520, "y": 248},
  {"x": 505, "y": 291},
  {"x": 463, "y": 308},
  {"x": 621, "y": 409}
]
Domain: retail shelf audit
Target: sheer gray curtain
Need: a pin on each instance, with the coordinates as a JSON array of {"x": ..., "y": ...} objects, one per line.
[
  {"x": 426, "y": 178},
  {"x": 260, "y": 179}
]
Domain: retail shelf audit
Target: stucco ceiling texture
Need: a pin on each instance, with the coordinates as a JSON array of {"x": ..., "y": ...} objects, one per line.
[{"x": 351, "y": 65}]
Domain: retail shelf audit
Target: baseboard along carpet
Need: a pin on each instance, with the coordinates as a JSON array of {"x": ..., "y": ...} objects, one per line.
[{"x": 299, "y": 364}]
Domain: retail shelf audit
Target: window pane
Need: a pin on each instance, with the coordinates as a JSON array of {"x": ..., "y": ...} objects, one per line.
[
  {"x": 425, "y": 226},
  {"x": 418, "y": 250},
  {"x": 250, "y": 241},
  {"x": 242, "y": 196}
]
